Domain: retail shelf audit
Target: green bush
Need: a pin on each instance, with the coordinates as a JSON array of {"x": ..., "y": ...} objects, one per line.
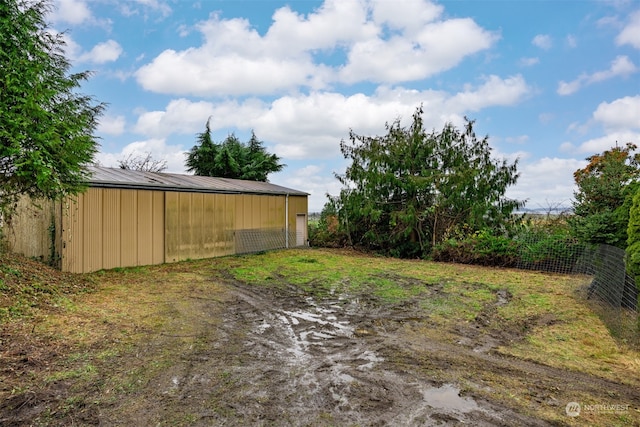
[
  {"x": 326, "y": 232},
  {"x": 542, "y": 244},
  {"x": 482, "y": 248},
  {"x": 633, "y": 240}
]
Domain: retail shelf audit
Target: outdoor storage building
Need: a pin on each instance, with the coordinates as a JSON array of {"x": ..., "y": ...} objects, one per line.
[{"x": 129, "y": 218}]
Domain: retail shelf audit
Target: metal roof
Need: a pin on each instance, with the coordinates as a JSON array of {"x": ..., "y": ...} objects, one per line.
[{"x": 139, "y": 180}]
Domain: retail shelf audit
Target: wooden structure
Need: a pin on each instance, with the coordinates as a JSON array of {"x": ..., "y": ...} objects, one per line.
[{"x": 130, "y": 218}]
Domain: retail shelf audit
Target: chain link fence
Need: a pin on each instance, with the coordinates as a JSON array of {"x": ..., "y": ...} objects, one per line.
[{"x": 610, "y": 291}]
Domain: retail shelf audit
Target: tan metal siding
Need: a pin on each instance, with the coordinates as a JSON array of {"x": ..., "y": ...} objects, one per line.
[
  {"x": 208, "y": 231},
  {"x": 199, "y": 225},
  {"x": 243, "y": 208},
  {"x": 145, "y": 228},
  {"x": 111, "y": 229},
  {"x": 228, "y": 224},
  {"x": 128, "y": 228},
  {"x": 172, "y": 219},
  {"x": 158, "y": 227},
  {"x": 108, "y": 228},
  {"x": 92, "y": 231}
]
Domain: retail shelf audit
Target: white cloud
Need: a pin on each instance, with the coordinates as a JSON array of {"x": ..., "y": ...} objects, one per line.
[
  {"x": 571, "y": 41},
  {"x": 406, "y": 15},
  {"x": 159, "y": 150},
  {"x": 565, "y": 88},
  {"x": 520, "y": 139},
  {"x": 111, "y": 125},
  {"x": 101, "y": 53},
  {"x": 630, "y": 34},
  {"x": 495, "y": 91},
  {"x": 314, "y": 179},
  {"x": 181, "y": 116},
  {"x": 620, "y": 66},
  {"x": 145, "y": 7},
  {"x": 74, "y": 12},
  {"x": 606, "y": 142},
  {"x": 543, "y": 41},
  {"x": 623, "y": 113},
  {"x": 311, "y": 126},
  {"x": 528, "y": 62},
  {"x": 545, "y": 118},
  {"x": 336, "y": 23},
  {"x": 235, "y": 59},
  {"x": 439, "y": 46},
  {"x": 608, "y": 21},
  {"x": 72, "y": 49},
  {"x": 546, "y": 183}
]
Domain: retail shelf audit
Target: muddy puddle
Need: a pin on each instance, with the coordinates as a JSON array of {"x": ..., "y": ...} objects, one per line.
[{"x": 311, "y": 362}]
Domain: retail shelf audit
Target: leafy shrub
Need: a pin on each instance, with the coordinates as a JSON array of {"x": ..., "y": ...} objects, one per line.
[
  {"x": 633, "y": 241},
  {"x": 327, "y": 232},
  {"x": 544, "y": 244},
  {"x": 482, "y": 248}
]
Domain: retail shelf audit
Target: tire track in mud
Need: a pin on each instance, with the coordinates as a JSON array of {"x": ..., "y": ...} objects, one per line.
[
  {"x": 555, "y": 377},
  {"x": 311, "y": 362}
]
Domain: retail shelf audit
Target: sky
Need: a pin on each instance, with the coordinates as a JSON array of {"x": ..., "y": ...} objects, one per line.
[{"x": 549, "y": 82}]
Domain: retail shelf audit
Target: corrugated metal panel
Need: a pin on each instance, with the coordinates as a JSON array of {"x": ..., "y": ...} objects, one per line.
[
  {"x": 129, "y": 228},
  {"x": 120, "y": 178},
  {"x": 158, "y": 227},
  {"x": 184, "y": 226},
  {"x": 145, "y": 228},
  {"x": 107, "y": 228},
  {"x": 229, "y": 227},
  {"x": 199, "y": 225},
  {"x": 111, "y": 229},
  {"x": 172, "y": 221},
  {"x": 209, "y": 233},
  {"x": 92, "y": 230}
]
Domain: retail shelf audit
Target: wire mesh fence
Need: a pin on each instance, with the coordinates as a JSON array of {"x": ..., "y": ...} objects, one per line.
[
  {"x": 264, "y": 239},
  {"x": 610, "y": 291}
]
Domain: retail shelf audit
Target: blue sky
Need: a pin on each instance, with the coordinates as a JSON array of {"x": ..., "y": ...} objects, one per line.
[{"x": 550, "y": 82}]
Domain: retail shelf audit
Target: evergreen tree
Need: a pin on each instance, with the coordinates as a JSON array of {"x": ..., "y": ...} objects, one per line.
[
  {"x": 232, "y": 158},
  {"x": 46, "y": 127},
  {"x": 605, "y": 190},
  {"x": 406, "y": 191}
]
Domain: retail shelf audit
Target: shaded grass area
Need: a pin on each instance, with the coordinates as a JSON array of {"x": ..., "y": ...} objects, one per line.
[{"x": 84, "y": 343}]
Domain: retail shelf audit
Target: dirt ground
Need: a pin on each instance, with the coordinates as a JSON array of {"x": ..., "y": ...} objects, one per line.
[{"x": 257, "y": 356}]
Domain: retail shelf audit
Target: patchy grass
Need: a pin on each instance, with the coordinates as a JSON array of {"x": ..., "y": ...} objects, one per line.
[
  {"x": 104, "y": 337},
  {"x": 561, "y": 330}
]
